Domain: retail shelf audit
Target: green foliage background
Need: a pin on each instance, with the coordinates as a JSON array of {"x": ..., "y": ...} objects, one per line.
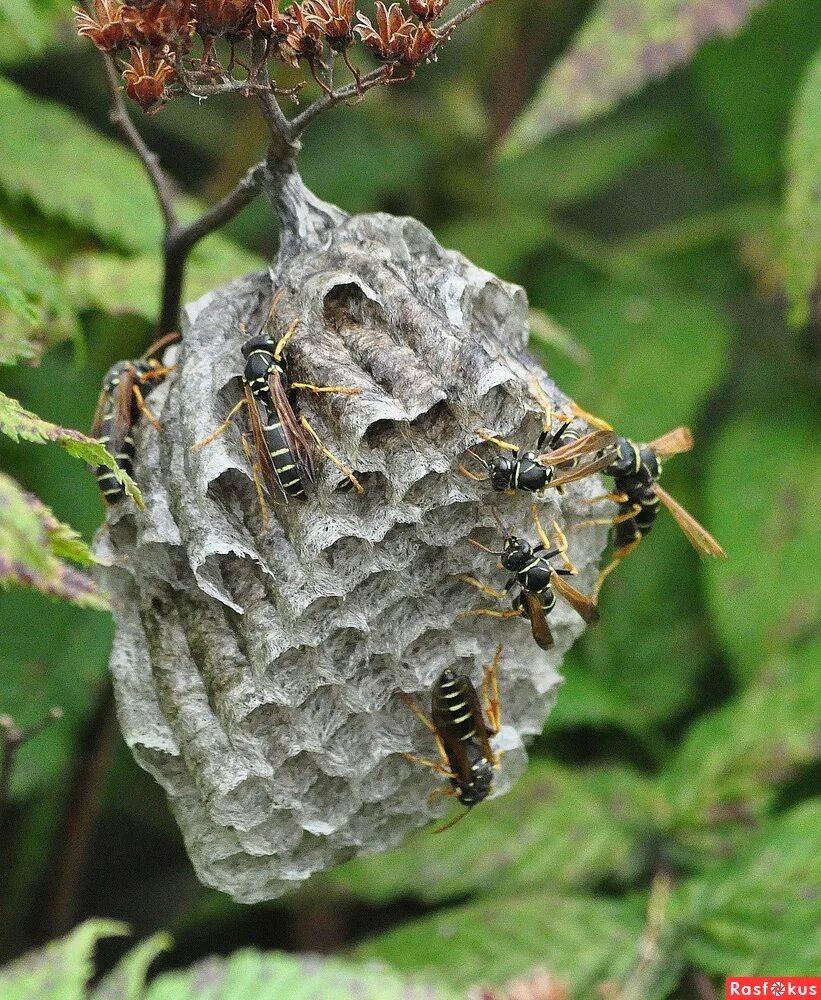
[{"x": 659, "y": 197}]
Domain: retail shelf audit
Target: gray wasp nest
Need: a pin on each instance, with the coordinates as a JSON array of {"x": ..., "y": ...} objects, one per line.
[{"x": 256, "y": 671}]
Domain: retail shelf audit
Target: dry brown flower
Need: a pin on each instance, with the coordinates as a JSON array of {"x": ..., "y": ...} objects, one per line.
[
  {"x": 335, "y": 19},
  {"x": 271, "y": 21},
  {"x": 427, "y": 10},
  {"x": 390, "y": 40},
  {"x": 421, "y": 45},
  {"x": 145, "y": 78},
  {"x": 108, "y": 32}
]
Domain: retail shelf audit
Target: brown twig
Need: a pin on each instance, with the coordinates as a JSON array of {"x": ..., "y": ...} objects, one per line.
[
  {"x": 12, "y": 737},
  {"x": 63, "y": 875}
]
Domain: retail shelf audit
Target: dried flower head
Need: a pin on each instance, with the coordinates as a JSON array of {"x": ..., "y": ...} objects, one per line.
[
  {"x": 157, "y": 24},
  {"x": 108, "y": 32},
  {"x": 304, "y": 40},
  {"x": 421, "y": 46},
  {"x": 335, "y": 19},
  {"x": 223, "y": 17},
  {"x": 427, "y": 10},
  {"x": 271, "y": 21},
  {"x": 390, "y": 40},
  {"x": 145, "y": 79}
]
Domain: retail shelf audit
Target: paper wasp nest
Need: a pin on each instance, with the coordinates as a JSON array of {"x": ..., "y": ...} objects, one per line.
[{"x": 256, "y": 672}]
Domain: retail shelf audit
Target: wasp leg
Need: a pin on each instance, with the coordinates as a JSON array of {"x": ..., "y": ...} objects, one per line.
[
  {"x": 466, "y": 578},
  {"x": 342, "y": 390},
  {"x": 163, "y": 342},
  {"x": 283, "y": 340},
  {"x": 497, "y": 441},
  {"x": 330, "y": 455},
  {"x": 492, "y": 612},
  {"x": 590, "y": 419},
  {"x": 472, "y": 475},
  {"x": 620, "y": 555},
  {"x": 417, "y": 711},
  {"x": 434, "y": 765},
  {"x": 443, "y": 790},
  {"x": 263, "y": 506},
  {"x": 490, "y": 694},
  {"x": 223, "y": 427},
  {"x": 615, "y": 497},
  {"x": 618, "y": 519},
  {"x": 142, "y": 406}
]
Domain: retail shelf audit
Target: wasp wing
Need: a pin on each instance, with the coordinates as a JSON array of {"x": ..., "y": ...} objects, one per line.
[
  {"x": 673, "y": 442},
  {"x": 97, "y": 423},
  {"x": 595, "y": 441},
  {"x": 534, "y": 610},
  {"x": 256, "y": 416},
  {"x": 586, "y": 470},
  {"x": 698, "y": 536},
  {"x": 580, "y": 602},
  {"x": 122, "y": 409},
  {"x": 302, "y": 446}
]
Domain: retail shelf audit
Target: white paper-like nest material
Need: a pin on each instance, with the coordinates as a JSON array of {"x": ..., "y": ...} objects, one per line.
[{"x": 256, "y": 672}]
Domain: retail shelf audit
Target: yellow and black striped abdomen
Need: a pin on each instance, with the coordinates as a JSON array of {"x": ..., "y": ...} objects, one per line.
[
  {"x": 111, "y": 489},
  {"x": 282, "y": 457}
]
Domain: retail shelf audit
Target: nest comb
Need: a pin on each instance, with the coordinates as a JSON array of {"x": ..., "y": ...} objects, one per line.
[{"x": 256, "y": 670}]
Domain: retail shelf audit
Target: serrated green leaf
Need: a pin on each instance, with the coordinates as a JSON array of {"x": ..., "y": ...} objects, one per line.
[
  {"x": 61, "y": 970},
  {"x": 127, "y": 980},
  {"x": 803, "y": 197},
  {"x": 623, "y": 45},
  {"x": 19, "y": 423},
  {"x": 31, "y": 542},
  {"x": 33, "y": 310},
  {"x": 764, "y": 600},
  {"x": 254, "y": 975},
  {"x": 671, "y": 350},
  {"x": 727, "y": 774},
  {"x": 557, "y": 827},
  {"x": 582, "y": 940},
  {"x": 757, "y": 913}
]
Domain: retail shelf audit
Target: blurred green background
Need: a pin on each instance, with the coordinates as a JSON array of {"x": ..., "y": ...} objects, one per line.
[{"x": 660, "y": 201}]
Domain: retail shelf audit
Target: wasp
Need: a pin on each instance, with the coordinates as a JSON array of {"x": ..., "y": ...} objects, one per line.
[
  {"x": 559, "y": 450},
  {"x": 635, "y": 469},
  {"x": 463, "y": 732},
  {"x": 539, "y": 582},
  {"x": 121, "y": 402},
  {"x": 284, "y": 443}
]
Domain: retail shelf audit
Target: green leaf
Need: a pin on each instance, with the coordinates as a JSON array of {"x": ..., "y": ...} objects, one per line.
[
  {"x": 127, "y": 980},
  {"x": 61, "y": 970},
  {"x": 749, "y": 84},
  {"x": 623, "y": 45},
  {"x": 757, "y": 913},
  {"x": 82, "y": 178},
  {"x": 31, "y": 543},
  {"x": 117, "y": 285},
  {"x": 763, "y": 485},
  {"x": 582, "y": 940},
  {"x": 501, "y": 242},
  {"x": 254, "y": 975},
  {"x": 18, "y": 423},
  {"x": 571, "y": 168},
  {"x": 803, "y": 199},
  {"x": 31, "y": 302},
  {"x": 620, "y": 674},
  {"x": 557, "y": 827},
  {"x": 728, "y": 772},
  {"x": 672, "y": 351},
  {"x": 27, "y": 27}
]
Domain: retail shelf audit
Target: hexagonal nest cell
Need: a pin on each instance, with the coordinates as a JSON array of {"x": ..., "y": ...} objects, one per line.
[{"x": 257, "y": 670}]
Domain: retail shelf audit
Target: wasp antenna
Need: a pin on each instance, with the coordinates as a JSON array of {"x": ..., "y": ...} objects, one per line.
[
  {"x": 498, "y": 520},
  {"x": 452, "y": 822},
  {"x": 478, "y": 458},
  {"x": 484, "y": 548}
]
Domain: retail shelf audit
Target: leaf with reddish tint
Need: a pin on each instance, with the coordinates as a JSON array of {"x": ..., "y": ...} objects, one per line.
[
  {"x": 623, "y": 45},
  {"x": 32, "y": 541},
  {"x": 19, "y": 423}
]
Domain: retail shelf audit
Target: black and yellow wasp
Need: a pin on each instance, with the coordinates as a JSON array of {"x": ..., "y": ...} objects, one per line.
[
  {"x": 463, "y": 732},
  {"x": 122, "y": 400}
]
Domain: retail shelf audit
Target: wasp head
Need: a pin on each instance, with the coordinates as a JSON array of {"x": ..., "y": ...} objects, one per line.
[
  {"x": 501, "y": 473},
  {"x": 262, "y": 342},
  {"x": 517, "y": 553}
]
